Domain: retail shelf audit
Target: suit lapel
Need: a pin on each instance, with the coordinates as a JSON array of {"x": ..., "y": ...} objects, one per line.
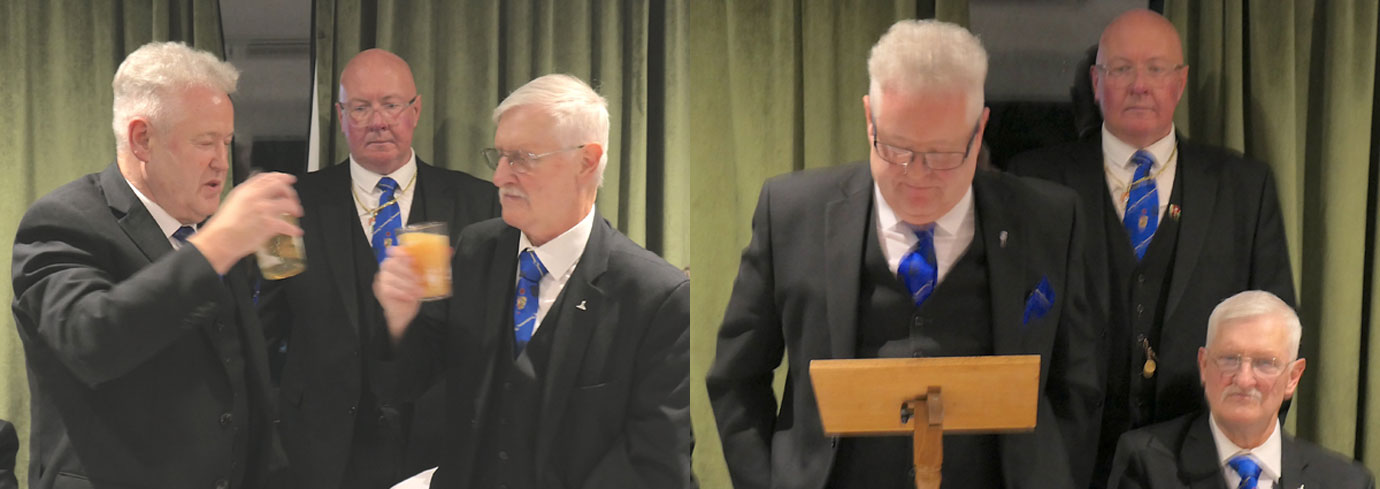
[
  {"x": 1007, "y": 278},
  {"x": 584, "y": 313},
  {"x": 1295, "y": 466},
  {"x": 134, "y": 219},
  {"x": 337, "y": 217},
  {"x": 845, "y": 220},
  {"x": 1200, "y": 180},
  {"x": 436, "y": 199},
  {"x": 1198, "y": 466}
]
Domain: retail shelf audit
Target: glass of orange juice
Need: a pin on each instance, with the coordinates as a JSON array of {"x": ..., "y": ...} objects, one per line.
[{"x": 429, "y": 246}]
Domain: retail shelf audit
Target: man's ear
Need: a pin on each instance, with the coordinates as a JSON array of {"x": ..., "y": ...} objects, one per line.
[
  {"x": 589, "y": 159},
  {"x": 139, "y": 134}
]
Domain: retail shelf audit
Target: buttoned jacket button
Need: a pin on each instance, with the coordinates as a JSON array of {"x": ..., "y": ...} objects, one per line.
[{"x": 226, "y": 419}]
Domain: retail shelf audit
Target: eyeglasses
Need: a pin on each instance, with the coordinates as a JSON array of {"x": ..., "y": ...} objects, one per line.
[
  {"x": 1126, "y": 72},
  {"x": 934, "y": 160},
  {"x": 1265, "y": 367},
  {"x": 360, "y": 112},
  {"x": 520, "y": 162}
]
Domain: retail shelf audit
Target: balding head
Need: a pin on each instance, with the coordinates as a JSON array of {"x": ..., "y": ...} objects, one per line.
[
  {"x": 1139, "y": 77},
  {"x": 378, "y": 108}
]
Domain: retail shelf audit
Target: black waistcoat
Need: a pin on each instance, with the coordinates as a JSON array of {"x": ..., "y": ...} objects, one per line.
[
  {"x": 956, "y": 320},
  {"x": 506, "y": 456},
  {"x": 240, "y": 421}
]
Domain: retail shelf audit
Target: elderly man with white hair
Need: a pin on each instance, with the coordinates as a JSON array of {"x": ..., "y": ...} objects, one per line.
[
  {"x": 565, "y": 347},
  {"x": 913, "y": 253},
  {"x": 1249, "y": 366},
  {"x": 146, "y": 363}
]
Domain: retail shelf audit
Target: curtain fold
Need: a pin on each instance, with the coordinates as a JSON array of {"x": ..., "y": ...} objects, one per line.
[
  {"x": 1293, "y": 84},
  {"x": 467, "y": 56},
  {"x": 778, "y": 86},
  {"x": 60, "y": 56}
]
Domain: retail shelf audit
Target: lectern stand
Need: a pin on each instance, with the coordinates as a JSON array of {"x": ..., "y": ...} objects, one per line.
[{"x": 925, "y": 398}]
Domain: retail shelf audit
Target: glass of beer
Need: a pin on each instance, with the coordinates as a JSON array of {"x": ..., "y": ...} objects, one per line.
[
  {"x": 429, "y": 246},
  {"x": 282, "y": 256}
]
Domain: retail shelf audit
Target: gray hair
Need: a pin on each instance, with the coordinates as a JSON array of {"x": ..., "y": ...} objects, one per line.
[
  {"x": 919, "y": 55},
  {"x": 581, "y": 114},
  {"x": 150, "y": 77},
  {"x": 1252, "y": 304}
]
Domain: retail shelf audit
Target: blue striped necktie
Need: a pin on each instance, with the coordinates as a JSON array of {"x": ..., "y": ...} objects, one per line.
[
  {"x": 918, "y": 268},
  {"x": 1249, "y": 471},
  {"x": 387, "y": 220},
  {"x": 1142, "y": 204},
  {"x": 530, "y": 272},
  {"x": 183, "y": 233}
]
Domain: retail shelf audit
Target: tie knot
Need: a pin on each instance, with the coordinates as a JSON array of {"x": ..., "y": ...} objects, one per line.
[
  {"x": 387, "y": 185},
  {"x": 1245, "y": 466},
  {"x": 1143, "y": 160},
  {"x": 529, "y": 266},
  {"x": 924, "y": 233},
  {"x": 182, "y": 233}
]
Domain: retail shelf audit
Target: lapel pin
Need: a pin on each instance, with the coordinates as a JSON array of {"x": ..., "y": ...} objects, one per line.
[
  {"x": 1174, "y": 212},
  {"x": 580, "y": 306},
  {"x": 1002, "y": 238}
]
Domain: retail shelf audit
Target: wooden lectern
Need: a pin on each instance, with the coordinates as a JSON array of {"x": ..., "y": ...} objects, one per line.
[{"x": 926, "y": 397}]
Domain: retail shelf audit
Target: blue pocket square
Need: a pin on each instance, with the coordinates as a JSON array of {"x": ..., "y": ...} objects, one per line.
[{"x": 1039, "y": 303}]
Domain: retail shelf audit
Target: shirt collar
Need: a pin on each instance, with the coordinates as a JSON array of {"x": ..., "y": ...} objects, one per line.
[
  {"x": 561, "y": 253},
  {"x": 947, "y": 224},
  {"x": 1269, "y": 455},
  {"x": 166, "y": 222},
  {"x": 367, "y": 181},
  {"x": 1119, "y": 152}
]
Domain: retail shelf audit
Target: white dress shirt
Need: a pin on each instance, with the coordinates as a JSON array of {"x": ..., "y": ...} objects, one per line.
[
  {"x": 1116, "y": 158},
  {"x": 166, "y": 222},
  {"x": 367, "y": 192},
  {"x": 953, "y": 232},
  {"x": 1268, "y": 455},
  {"x": 559, "y": 256}
]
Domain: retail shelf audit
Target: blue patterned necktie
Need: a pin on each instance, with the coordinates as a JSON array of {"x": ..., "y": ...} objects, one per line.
[
  {"x": 1247, "y": 468},
  {"x": 1142, "y": 204},
  {"x": 182, "y": 233},
  {"x": 530, "y": 272},
  {"x": 918, "y": 269},
  {"x": 387, "y": 220}
]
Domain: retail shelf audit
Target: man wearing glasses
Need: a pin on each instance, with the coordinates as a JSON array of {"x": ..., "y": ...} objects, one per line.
[
  {"x": 1249, "y": 366},
  {"x": 914, "y": 253},
  {"x": 1174, "y": 227},
  {"x": 339, "y": 430},
  {"x": 566, "y": 351}
]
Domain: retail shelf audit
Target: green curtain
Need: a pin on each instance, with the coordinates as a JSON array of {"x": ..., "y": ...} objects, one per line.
[
  {"x": 778, "y": 86},
  {"x": 59, "y": 57},
  {"x": 467, "y": 56},
  {"x": 1292, "y": 83}
]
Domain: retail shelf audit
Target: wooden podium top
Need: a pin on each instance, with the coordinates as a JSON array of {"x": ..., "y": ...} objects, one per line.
[{"x": 984, "y": 394}]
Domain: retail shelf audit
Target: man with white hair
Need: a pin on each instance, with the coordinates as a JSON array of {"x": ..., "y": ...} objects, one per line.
[
  {"x": 146, "y": 364},
  {"x": 566, "y": 347},
  {"x": 1249, "y": 366},
  {"x": 914, "y": 253}
]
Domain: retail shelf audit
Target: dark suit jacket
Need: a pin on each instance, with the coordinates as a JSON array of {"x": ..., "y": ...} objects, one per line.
[
  {"x": 797, "y": 291},
  {"x": 124, "y": 348},
  {"x": 1230, "y": 239},
  {"x": 9, "y": 448},
  {"x": 318, "y": 314},
  {"x": 615, "y": 401},
  {"x": 1181, "y": 454}
]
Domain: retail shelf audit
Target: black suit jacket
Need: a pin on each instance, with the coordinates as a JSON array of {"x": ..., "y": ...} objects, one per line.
[
  {"x": 615, "y": 401},
  {"x": 797, "y": 291},
  {"x": 318, "y": 314},
  {"x": 124, "y": 348},
  {"x": 1181, "y": 453},
  {"x": 1230, "y": 239},
  {"x": 9, "y": 448}
]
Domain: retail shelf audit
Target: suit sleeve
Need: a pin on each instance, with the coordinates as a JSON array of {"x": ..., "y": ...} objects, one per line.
[
  {"x": 1128, "y": 471},
  {"x": 69, "y": 295},
  {"x": 1076, "y": 376},
  {"x": 1270, "y": 268},
  {"x": 750, "y": 346},
  {"x": 654, "y": 447}
]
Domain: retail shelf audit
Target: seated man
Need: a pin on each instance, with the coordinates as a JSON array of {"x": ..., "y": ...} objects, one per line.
[{"x": 1249, "y": 367}]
